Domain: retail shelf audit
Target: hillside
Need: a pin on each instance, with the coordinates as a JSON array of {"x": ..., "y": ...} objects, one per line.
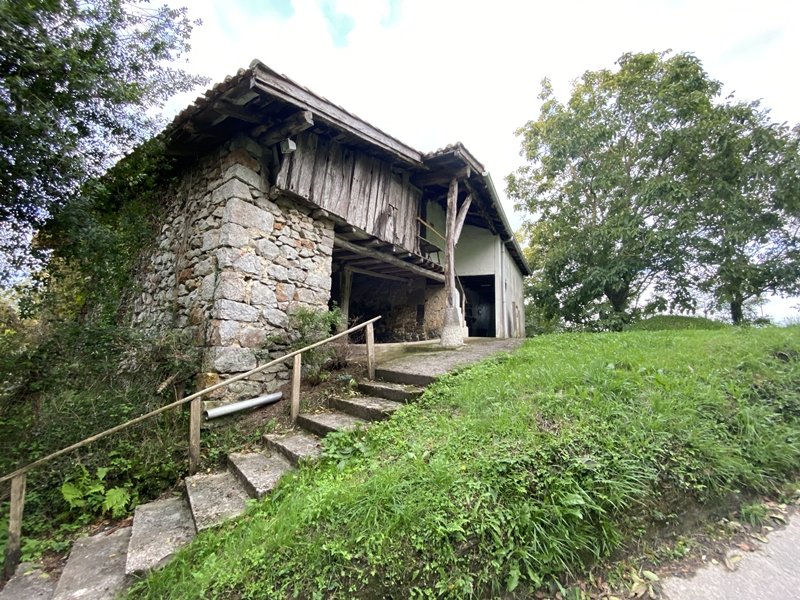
[{"x": 517, "y": 471}]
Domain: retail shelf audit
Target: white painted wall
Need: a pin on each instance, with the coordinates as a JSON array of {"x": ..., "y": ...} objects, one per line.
[{"x": 479, "y": 252}]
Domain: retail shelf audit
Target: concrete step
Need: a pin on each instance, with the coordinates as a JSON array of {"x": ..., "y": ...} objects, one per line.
[
  {"x": 297, "y": 446},
  {"x": 96, "y": 567},
  {"x": 29, "y": 582},
  {"x": 391, "y": 391},
  {"x": 257, "y": 472},
  {"x": 160, "y": 529},
  {"x": 324, "y": 423},
  {"x": 405, "y": 377},
  {"x": 215, "y": 498},
  {"x": 366, "y": 407}
]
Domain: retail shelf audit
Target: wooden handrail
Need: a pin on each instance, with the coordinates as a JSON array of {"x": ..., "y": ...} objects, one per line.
[
  {"x": 18, "y": 477},
  {"x": 180, "y": 402}
]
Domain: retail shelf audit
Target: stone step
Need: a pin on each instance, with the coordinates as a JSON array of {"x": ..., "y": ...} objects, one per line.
[
  {"x": 366, "y": 407},
  {"x": 297, "y": 446},
  {"x": 29, "y": 582},
  {"x": 324, "y": 423},
  {"x": 96, "y": 567},
  {"x": 405, "y": 377},
  {"x": 160, "y": 529},
  {"x": 391, "y": 391},
  {"x": 215, "y": 498},
  {"x": 257, "y": 472}
]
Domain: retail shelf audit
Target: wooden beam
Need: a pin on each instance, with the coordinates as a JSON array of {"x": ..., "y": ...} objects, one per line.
[
  {"x": 461, "y": 217},
  {"x": 387, "y": 258},
  {"x": 237, "y": 112},
  {"x": 377, "y": 274},
  {"x": 370, "y": 334},
  {"x": 297, "y": 370},
  {"x": 441, "y": 177},
  {"x": 299, "y": 121},
  {"x": 346, "y": 283}
]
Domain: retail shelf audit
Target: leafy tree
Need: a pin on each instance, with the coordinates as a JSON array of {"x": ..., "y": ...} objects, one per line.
[
  {"x": 635, "y": 186},
  {"x": 747, "y": 240},
  {"x": 78, "y": 80}
]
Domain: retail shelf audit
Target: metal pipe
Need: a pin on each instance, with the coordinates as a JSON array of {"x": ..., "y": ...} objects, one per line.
[{"x": 227, "y": 409}]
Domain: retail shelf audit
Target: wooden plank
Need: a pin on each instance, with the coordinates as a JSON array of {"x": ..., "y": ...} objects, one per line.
[
  {"x": 308, "y": 156},
  {"x": 14, "y": 543},
  {"x": 370, "y": 351},
  {"x": 284, "y": 174},
  {"x": 297, "y": 370},
  {"x": 273, "y": 84},
  {"x": 195, "y": 420},
  {"x": 343, "y": 201},
  {"x": 320, "y": 171},
  {"x": 359, "y": 195},
  {"x": 355, "y": 249},
  {"x": 328, "y": 196}
]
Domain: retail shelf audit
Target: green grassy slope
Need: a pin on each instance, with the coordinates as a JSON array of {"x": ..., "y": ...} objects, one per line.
[{"x": 516, "y": 470}]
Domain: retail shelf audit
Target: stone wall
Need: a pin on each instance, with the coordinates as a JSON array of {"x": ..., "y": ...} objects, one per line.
[{"x": 231, "y": 262}]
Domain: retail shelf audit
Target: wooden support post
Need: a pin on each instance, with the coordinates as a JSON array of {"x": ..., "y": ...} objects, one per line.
[
  {"x": 195, "y": 419},
  {"x": 450, "y": 244},
  {"x": 297, "y": 371},
  {"x": 347, "y": 285},
  {"x": 370, "y": 351},
  {"x": 13, "y": 548}
]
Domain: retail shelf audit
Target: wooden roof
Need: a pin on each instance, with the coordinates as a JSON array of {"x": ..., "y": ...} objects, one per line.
[{"x": 259, "y": 97}]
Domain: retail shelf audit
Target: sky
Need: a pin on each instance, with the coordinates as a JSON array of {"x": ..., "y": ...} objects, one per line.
[{"x": 433, "y": 72}]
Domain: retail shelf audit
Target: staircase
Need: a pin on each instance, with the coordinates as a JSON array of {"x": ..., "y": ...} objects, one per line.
[{"x": 99, "y": 567}]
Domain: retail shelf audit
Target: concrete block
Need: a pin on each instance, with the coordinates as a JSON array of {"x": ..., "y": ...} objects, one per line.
[
  {"x": 215, "y": 498},
  {"x": 95, "y": 568},
  {"x": 160, "y": 529},
  {"x": 297, "y": 447},
  {"x": 324, "y": 423},
  {"x": 258, "y": 473}
]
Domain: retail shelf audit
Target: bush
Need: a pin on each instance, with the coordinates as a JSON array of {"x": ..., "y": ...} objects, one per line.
[{"x": 308, "y": 326}]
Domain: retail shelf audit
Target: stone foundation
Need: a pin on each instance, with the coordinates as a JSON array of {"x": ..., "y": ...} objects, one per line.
[{"x": 230, "y": 264}]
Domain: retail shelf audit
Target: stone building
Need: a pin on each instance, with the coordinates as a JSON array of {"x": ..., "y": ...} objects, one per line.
[{"x": 285, "y": 200}]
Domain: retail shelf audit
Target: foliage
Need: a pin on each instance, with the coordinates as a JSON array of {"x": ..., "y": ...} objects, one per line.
[
  {"x": 644, "y": 186},
  {"x": 670, "y": 322},
  {"x": 309, "y": 326},
  {"x": 747, "y": 241},
  {"x": 89, "y": 493},
  {"x": 516, "y": 471},
  {"x": 78, "y": 81}
]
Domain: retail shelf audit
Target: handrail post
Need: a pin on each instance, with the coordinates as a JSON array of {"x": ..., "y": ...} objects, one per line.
[
  {"x": 370, "y": 351},
  {"x": 297, "y": 370},
  {"x": 13, "y": 549},
  {"x": 195, "y": 419}
]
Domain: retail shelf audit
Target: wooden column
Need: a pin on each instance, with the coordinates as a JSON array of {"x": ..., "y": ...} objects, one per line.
[
  {"x": 370, "y": 351},
  {"x": 449, "y": 244},
  {"x": 347, "y": 286},
  {"x": 195, "y": 420},
  {"x": 13, "y": 548},
  {"x": 297, "y": 371}
]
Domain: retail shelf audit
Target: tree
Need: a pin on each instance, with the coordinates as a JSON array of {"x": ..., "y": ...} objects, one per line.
[
  {"x": 606, "y": 185},
  {"x": 747, "y": 242},
  {"x": 78, "y": 80},
  {"x": 646, "y": 186}
]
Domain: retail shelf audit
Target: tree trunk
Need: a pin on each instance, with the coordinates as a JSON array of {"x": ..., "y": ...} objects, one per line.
[{"x": 737, "y": 310}]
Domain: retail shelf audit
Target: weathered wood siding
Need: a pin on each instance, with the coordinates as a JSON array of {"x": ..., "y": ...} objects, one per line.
[{"x": 359, "y": 188}]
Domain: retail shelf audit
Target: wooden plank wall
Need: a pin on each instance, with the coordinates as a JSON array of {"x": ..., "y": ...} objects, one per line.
[{"x": 355, "y": 186}]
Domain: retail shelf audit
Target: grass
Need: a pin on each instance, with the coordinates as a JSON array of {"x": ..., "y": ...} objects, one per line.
[
  {"x": 670, "y": 322},
  {"x": 516, "y": 471}
]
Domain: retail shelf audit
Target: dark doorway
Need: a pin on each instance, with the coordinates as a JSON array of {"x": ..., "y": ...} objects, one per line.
[{"x": 479, "y": 316}]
